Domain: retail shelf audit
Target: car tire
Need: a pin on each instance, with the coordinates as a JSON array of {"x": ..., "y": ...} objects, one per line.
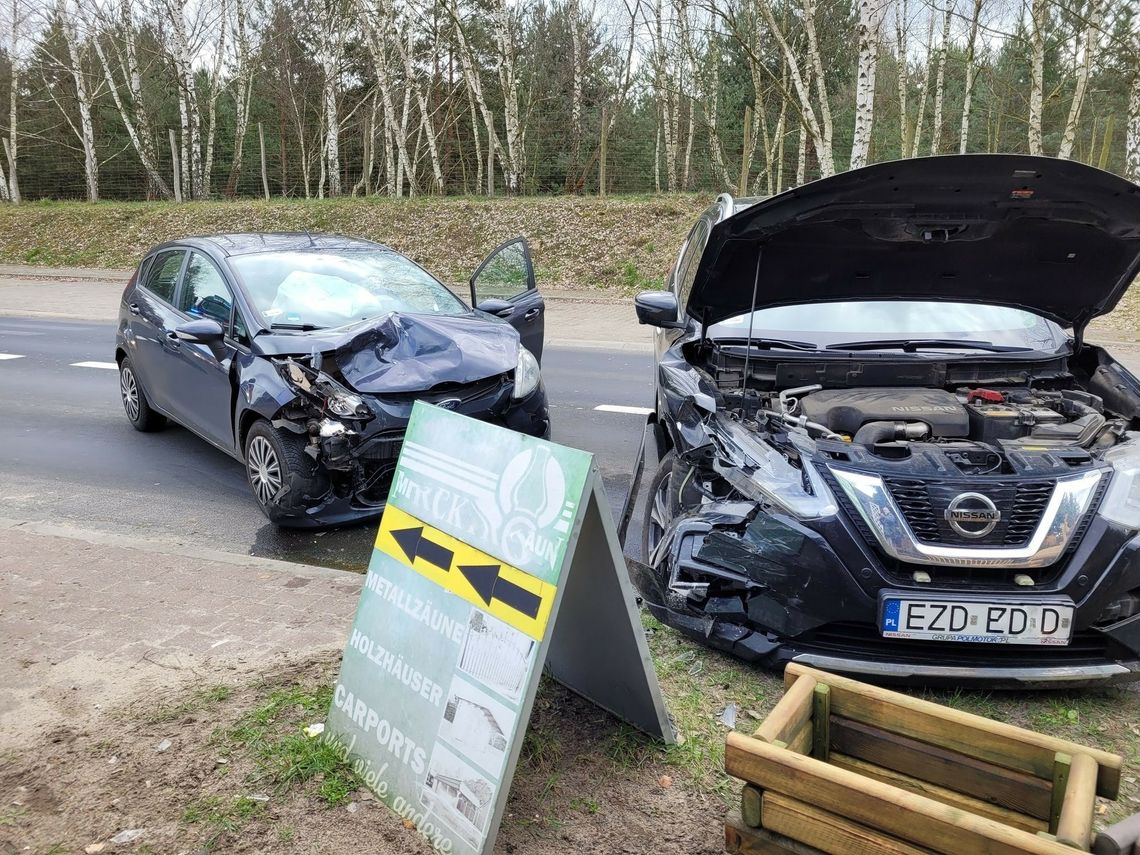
[
  {"x": 284, "y": 479},
  {"x": 135, "y": 404},
  {"x": 660, "y": 507}
]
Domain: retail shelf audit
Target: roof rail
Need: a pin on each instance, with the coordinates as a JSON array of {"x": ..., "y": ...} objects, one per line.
[{"x": 726, "y": 204}]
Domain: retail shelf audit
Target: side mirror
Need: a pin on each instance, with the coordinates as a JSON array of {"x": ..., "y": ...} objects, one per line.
[
  {"x": 496, "y": 306},
  {"x": 204, "y": 331},
  {"x": 658, "y": 309}
]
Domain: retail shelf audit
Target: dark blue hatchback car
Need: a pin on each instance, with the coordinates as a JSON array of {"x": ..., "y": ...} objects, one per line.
[{"x": 301, "y": 355}]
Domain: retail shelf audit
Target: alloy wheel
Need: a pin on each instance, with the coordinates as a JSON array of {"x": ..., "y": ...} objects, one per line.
[
  {"x": 264, "y": 469},
  {"x": 658, "y": 515},
  {"x": 129, "y": 389}
]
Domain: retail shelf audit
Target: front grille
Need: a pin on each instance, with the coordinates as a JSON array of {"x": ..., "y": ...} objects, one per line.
[
  {"x": 855, "y": 640},
  {"x": 924, "y": 504}
]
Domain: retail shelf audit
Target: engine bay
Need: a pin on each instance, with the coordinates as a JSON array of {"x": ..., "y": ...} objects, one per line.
[{"x": 933, "y": 417}]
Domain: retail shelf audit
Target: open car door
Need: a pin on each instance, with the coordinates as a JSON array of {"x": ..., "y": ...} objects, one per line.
[{"x": 503, "y": 285}]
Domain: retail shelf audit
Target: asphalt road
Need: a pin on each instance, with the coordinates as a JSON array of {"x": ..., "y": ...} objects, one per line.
[{"x": 68, "y": 453}]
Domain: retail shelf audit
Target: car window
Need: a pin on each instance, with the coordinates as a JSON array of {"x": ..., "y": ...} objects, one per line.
[
  {"x": 868, "y": 320},
  {"x": 690, "y": 261},
  {"x": 162, "y": 276},
  {"x": 330, "y": 289},
  {"x": 205, "y": 293},
  {"x": 241, "y": 331}
]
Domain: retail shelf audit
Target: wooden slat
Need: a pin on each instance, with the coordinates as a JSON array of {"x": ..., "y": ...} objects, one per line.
[
  {"x": 1017, "y": 791},
  {"x": 750, "y": 806},
  {"x": 789, "y": 714},
  {"x": 826, "y": 831},
  {"x": 1061, "y": 765},
  {"x": 739, "y": 839},
  {"x": 939, "y": 794},
  {"x": 821, "y": 722},
  {"x": 1075, "y": 826},
  {"x": 982, "y": 738},
  {"x": 916, "y": 819},
  {"x": 801, "y": 739}
]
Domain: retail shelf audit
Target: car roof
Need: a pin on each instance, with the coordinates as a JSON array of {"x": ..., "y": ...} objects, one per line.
[{"x": 246, "y": 243}]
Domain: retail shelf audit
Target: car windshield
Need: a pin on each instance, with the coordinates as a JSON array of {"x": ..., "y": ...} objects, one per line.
[
  {"x": 316, "y": 290},
  {"x": 824, "y": 324}
]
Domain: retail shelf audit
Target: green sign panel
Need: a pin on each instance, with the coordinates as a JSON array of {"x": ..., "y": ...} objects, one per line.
[{"x": 461, "y": 609}]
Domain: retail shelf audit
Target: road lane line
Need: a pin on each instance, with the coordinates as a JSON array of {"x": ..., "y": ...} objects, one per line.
[
  {"x": 112, "y": 366},
  {"x": 11, "y": 356},
  {"x": 618, "y": 408}
]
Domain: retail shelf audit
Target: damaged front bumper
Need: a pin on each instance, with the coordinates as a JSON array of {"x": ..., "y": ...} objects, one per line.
[
  {"x": 357, "y": 459},
  {"x": 766, "y": 587}
]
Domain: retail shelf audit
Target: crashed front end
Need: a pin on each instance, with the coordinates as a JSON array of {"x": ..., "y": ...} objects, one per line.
[
  {"x": 351, "y": 407},
  {"x": 760, "y": 545}
]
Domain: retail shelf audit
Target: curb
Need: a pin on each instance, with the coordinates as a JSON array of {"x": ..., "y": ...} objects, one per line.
[{"x": 175, "y": 548}]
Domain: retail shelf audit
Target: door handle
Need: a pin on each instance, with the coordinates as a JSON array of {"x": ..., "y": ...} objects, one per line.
[
  {"x": 134, "y": 308},
  {"x": 531, "y": 314},
  {"x": 172, "y": 340}
]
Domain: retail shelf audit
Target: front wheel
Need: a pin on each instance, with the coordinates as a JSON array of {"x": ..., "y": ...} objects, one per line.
[
  {"x": 661, "y": 507},
  {"x": 135, "y": 404},
  {"x": 283, "y": 478}
]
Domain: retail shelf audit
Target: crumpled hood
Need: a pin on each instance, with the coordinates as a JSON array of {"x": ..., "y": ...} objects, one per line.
[
  {"x": 413, "y": 353},
  {"x": 1053, "y": 237}
]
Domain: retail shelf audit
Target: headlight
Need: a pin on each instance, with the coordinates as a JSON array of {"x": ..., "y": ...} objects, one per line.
[
  {"x": 527, "y": 374},
  {"x": 323, "y": 391},
  {"x": 1121, "y": 503}
]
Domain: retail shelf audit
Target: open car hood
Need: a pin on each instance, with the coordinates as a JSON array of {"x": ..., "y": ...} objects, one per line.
[
  {"x": 409, "y": 353},
  {"x": 1053, "y": 237}
]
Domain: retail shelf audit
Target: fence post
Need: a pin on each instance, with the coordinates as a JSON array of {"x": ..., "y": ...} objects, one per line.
[
  {"x": 264, "y": 175},
  {"x": 745, "y": 154},
  {"x": 177, "y": 167},
  {"x": 602, "y": 153}
]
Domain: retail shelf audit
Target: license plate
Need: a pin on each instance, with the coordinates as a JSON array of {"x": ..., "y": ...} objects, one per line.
[{"x": 982, "y": 622}]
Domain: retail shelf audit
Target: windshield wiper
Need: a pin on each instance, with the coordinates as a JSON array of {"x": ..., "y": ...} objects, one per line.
[
  {"x": 777, "y": 344},
  {"x": 301, "y": 327},
  {"x": 909, "y": 345}
]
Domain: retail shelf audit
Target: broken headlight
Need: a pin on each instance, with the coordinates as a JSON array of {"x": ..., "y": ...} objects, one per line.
[
  {"x": 1121, "y": 502},
  {"x": 527, "y": 374},
  {"x": 323, "y": 391}
]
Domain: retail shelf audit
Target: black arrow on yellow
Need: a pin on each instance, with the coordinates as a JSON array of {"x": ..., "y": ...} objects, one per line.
[
  {"x": 414, "y": 545},
  {"x": 485, "y": 579}
]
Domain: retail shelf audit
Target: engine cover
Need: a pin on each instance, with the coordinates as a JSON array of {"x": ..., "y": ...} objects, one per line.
[{"x": 846, "y": 410}]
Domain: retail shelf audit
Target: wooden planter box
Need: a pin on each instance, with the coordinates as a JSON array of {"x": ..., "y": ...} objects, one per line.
[{"x": 841, "y": 767}]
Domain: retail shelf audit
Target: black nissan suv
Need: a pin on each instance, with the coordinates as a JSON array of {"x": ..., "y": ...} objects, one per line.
[{"x": 882, "y": 444}]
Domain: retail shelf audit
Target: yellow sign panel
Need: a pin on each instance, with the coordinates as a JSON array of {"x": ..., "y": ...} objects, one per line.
[{"x": 508, "y": 593}]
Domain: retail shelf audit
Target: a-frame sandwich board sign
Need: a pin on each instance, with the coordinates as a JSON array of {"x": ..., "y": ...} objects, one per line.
[{"x": 496, "y": 556}]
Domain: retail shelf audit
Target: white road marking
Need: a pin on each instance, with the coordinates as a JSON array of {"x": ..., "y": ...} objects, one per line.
[
  {"x": 618, "y": 408},
  {"x": 11, "y": 356},
  {"x": 108, "y": 365}
]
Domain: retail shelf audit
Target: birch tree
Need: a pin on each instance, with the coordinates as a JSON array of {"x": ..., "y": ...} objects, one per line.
[
  {"x": 73, "y": 63},
  {"x": 10, "y": 186},
  {"x": 1132, "y": 135},
  {"x": 1039, "y": 14},
  {"x": 1090, "y": 40},
  {"x": 971, "y": 75},
  {"x": 241, "y": 88},
  {"x": 867, "y": 34},
  {"x": 331, "y": 36},
  {"x": 940, "y": 78},
  {"x": 124, "y": 83}
]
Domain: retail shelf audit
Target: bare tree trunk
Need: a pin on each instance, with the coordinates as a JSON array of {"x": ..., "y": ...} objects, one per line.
[
  {"x": 478, "y": 145},
  {"x": 573, "y": 13},
  {"x": 11, "y": 145},
  {"x": 801, "y": 157},
  {"x": 971, "y": 74},
  {"x": 506, "y": 65},
  {"x": 826, "y": 159},
  {"x": 243, "y": 93},
  {"x": 1132, "y": 135},
  {"x": 821, "y": 141},
  {"x": 1094, "y": 12},
  {"x": 867, "y": 34},
  {"x": 902, "y": 61},
  {"x": 212, "y": 123},
  {"x": 1039, "y": 12},
  {"x": 916, "y": 141},
  {"x": 86, "y": 131},
  {"x": 330, "y": 52},
  {"x": 940, "y": 79},
  {"x": 475, "y": 87}
]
